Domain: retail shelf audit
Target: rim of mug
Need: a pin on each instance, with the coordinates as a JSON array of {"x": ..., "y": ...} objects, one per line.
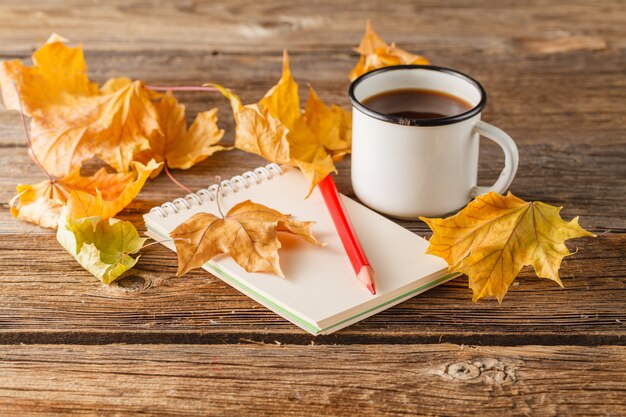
[{"x": 405, "y": 121}]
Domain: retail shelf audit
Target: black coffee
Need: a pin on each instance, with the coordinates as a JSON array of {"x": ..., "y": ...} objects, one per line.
[{"x": 412, "y": 103}]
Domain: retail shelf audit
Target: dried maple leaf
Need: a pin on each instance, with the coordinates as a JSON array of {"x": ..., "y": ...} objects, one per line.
[
  {"x": 42, "y": 211},
  {"x": 178, "y": 146},
  {"x": 257, "y": 131},
  {"x": 248, "y": 233},
  {"x": 58, "y": 73},
  {"x": 73, "y": 120},
  {"x": 276, "y": 129},
  {"x": 102, "y": 247},
  {"x": 375, "y": 53},
  {"x": 332, "y": 126},
  {"x": 103, "y": 193},
  {"x": 85, "y": 204},
  {"x": 492, "y": 238}
]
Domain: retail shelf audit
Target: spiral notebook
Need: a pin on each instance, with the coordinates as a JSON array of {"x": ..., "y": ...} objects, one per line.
[{"x": 320, "y": 292}]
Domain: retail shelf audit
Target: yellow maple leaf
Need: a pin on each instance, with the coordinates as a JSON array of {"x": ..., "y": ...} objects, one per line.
[
  {"x": 277, "y": 129},
  {"x": 42, "y": 211},
  {"x": 72, "y": 125},
  {"x": 494, "y": 236},
  {"x": 282, "y": 100},
  {"x": 375, "y": 53},
  {"x": 41, "y": 203},
  {"x": 114, "y": 124},
  {"x": 332, "y": 126},
  {"x": 178, "y": 146},
  {"x": 256, "y": 130},
  {"x": 109, "y": 184},
  {"x": 73, "y": 120},
  {"x": 58, "y": 73},
  {"x": 248, "y": 233},
  {"x": 84, "y": 204},
  {"x": 309, "y": 154}
]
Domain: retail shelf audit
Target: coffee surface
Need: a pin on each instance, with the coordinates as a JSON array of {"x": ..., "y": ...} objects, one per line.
[{"x": 412, "y": 103}]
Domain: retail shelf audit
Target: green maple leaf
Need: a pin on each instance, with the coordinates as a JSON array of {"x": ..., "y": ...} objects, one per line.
[{"x": 102, "y": 247}]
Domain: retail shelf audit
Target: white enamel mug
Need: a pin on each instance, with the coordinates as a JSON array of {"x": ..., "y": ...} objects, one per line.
[{"x": 408, "y": 168}]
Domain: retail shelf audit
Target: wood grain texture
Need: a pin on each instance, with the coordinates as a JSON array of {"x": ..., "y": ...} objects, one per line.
[
  {"x": 250, "y": 26},
  {"x": 554, "y": 72},
  {"x": 427, "y": 380},
  {"x": 152, "y": 305}
]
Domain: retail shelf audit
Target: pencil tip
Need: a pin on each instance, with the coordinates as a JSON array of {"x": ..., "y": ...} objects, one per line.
[{"x": 366, "y": 276}]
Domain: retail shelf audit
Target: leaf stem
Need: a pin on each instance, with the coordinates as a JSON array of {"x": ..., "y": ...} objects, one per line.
[
  {"x": 175, "y": 181},
  {"x": 27, "y": 134},
  {"x": 164, "y": 240},
  {"x": 217, "y": 195},
  {"x": 180, "y": 88}
]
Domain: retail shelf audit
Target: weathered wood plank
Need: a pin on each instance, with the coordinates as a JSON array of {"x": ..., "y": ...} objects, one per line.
[
  {"x": 540, "y": 25},
  {"x": 183, "y": 380},
  {"x": 555, "y": 77},
  {"x": 515, "y": 84},
  {"x": 46, "y": 297},
  {"x": 572, "y": 148},
  {"x": 578, "y": 166}
]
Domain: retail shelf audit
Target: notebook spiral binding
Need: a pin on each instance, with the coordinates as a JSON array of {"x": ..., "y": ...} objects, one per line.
[{"x": 233, "y": 185}]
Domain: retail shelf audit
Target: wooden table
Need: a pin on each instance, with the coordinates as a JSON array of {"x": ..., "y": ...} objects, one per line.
[{"x": 156, "y": 344}]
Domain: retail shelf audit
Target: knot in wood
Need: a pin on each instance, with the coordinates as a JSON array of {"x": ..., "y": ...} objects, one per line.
[
  {"x": 133, "y": 283},
  {"x": 485, "y": 370},
  {"x": 463, "y": 371}
]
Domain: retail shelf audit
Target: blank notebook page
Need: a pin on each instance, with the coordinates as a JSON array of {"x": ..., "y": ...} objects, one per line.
[{"x": 320, "y": 285}]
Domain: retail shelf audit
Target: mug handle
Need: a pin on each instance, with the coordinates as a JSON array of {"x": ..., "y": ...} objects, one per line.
[{"x": 511, "y": 158}]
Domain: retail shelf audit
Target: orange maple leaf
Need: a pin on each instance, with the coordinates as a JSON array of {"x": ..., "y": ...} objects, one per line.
[
  {"x": 375, "y": 53},
  {"x": 178, "y": 146},
  {"x": 73, "y": 120},
  {"x": 276, "y": 129},
  {"x": 101, "y": 194}
]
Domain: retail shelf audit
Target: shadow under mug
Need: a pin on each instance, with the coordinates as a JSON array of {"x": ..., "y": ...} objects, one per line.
[{"x": 408, "y": 168}]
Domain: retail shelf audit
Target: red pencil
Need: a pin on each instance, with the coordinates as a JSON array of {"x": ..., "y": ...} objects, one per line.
[{"x": 362, "y": 267}]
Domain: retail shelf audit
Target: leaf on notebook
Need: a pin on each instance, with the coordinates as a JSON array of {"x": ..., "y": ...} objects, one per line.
[
  {"x": 375, "y": 53},
  {"x": 248, "y": 233},
  {"x": 276, "y": 129},
  {"x": 492, "y": 238},
  {"x": 102, "y": 247}
]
